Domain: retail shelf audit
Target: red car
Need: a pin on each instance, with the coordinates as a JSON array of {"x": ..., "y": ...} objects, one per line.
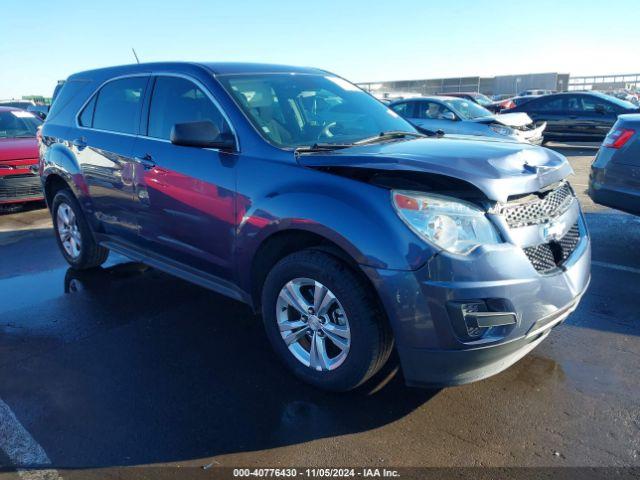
[{"x": 18, "y": 154}]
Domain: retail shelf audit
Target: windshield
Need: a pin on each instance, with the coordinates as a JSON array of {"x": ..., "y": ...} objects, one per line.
[
  {"x": 467, "y": 109},
  {"x": 18, "y": 124},
  {"x": 294, "y": 110},
  {"x": 482, "y": 99}
]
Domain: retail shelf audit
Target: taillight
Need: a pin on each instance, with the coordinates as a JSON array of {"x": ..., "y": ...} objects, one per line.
[{"x": 618, "y": 137}]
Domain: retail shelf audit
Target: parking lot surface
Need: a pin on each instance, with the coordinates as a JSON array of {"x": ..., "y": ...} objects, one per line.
[{"x": 127, "y": 366}]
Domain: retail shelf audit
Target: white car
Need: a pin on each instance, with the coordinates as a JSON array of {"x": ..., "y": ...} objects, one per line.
[{"x": 458, "y": 116}]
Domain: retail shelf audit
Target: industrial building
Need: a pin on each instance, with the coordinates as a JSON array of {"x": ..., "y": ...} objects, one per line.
[{"x": 498, "y": 85}]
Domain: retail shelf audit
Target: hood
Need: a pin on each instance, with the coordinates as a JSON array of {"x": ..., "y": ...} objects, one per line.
[
  {"x": 498, "y": 169},
  {"x": 18, "y": 148},
  {"x": 509, "y": 119}
]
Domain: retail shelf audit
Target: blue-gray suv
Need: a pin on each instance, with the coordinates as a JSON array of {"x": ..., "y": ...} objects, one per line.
[{"x": 296, "y": 192}]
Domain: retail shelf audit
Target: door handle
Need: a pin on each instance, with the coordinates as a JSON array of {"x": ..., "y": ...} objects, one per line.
[{"x": 147, "y": 161}]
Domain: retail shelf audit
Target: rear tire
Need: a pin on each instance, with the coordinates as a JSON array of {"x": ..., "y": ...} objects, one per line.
[
  {"x": 349, "y": 321},
  {"x": 74, "y": 237}
]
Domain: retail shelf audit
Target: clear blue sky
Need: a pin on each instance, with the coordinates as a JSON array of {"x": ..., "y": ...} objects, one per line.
[{"x": 45, "y": 40}]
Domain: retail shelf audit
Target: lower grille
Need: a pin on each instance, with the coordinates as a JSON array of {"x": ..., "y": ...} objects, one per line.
[
  {"x": 548, "y": 256},
  {"x": 20, "y": 187}
]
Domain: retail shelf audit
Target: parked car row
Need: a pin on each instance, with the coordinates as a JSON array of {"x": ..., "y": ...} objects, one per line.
[{"x": 568, "y": 116}]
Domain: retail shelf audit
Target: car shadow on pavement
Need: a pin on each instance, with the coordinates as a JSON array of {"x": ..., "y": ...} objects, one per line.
[{"x": 134, "y": 367}]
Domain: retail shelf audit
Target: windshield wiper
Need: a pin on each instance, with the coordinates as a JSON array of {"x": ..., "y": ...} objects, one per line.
[
  {"x": 382, "y": 136},
  {"x": 322, "y": 147}
]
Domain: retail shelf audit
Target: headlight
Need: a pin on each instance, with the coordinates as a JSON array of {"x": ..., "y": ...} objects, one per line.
[
  {"x": 449, "y": 223},
  {"x": 502, "y": 130}
]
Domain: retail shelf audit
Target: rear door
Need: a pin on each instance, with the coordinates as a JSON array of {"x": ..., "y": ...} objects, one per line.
[
  {"x": 185, "y": 196},
  {"x": 103, "y": 143},
  {"x": 550, "y": 109}
]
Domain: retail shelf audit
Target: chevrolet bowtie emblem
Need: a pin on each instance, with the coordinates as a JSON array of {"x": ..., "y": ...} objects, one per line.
[{"x": 553, "y": 231}]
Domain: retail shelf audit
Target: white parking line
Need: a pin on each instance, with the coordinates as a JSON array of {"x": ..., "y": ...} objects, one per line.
[
  {"x": 22, "y": 449},
  {"x": 615, "y": 266}
]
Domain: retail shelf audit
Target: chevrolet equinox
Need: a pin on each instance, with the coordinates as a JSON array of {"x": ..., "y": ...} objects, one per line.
[{"x": 294, "y": 191}]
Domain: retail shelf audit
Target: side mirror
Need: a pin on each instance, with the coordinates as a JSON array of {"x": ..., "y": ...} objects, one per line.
[
  {"x": 201, "y": 134},
  {"x": 448, "y": 116}
]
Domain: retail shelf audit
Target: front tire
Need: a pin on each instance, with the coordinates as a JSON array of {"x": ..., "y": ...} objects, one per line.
[
  {"x": 324, "y": 321},
  {"x": 74, "y": 237}
]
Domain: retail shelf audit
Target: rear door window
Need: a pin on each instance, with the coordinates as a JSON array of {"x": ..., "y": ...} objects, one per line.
[
  {"x": 117, "y": 106},
  {"x": 432, "y": 111},
  {"x": 404, "y": 109},
  {"x": 178, "y": 100},
  {"x": 547, "y": 104}
]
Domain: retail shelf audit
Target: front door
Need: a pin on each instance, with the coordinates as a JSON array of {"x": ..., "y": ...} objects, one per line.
[{"x": 185, "y": 196}]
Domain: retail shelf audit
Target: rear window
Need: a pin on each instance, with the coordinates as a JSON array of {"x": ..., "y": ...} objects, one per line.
[{"x": 117, "y": 106}]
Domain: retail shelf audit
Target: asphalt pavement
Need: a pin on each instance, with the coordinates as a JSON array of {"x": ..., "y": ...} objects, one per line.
[{"x": 126, "y": 366}]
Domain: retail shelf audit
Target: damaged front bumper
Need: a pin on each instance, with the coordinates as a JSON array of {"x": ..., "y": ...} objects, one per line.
[
  {"x": 421, "y": 305},
  {"x": 533, "y": 135}
]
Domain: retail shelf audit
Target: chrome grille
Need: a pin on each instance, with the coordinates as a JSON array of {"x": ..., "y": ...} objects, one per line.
[
  {"x": 538, "y": 208},
  {"x": 548, "y": 256}
]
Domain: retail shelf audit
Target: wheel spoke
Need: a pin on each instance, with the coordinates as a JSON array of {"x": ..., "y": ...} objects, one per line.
[
  {"x": 294, "y": 298},
  {"x": 288, "y": 326},
  {"x": 337, "y": 330},
  {"x": 319, "y": 295},
  {"x": 294, "y": 336},
  {"x": 318, "y": 358},
  {"x": 74, "y": 246},
  {"x": 340, "y": 342}
]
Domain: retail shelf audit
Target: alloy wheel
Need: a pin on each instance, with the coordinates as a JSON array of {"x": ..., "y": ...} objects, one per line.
[
  {"x": 68, "y": 230},
  {"x": 313, "y": 324}
]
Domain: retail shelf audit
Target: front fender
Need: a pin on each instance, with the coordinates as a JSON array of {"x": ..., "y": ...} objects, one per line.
[{"x": 356, "y": 216}]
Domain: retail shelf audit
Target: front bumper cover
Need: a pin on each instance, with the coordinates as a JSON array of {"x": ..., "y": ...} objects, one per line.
[{"x": 431, "y": 352}]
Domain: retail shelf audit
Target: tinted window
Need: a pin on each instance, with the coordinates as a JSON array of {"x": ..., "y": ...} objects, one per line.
[
  {"x": 118, "y": 105},
  {"x": 405, "y": 109},
  {"x": 86, "y": 117},
  {"x": 547, "y": 104},
  {"x": 590, "y": 104},
  {"x": 178, "y": 100}
]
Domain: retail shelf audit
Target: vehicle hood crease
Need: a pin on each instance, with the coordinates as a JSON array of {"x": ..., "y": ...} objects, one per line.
[{"x": 498, "y": 169}]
